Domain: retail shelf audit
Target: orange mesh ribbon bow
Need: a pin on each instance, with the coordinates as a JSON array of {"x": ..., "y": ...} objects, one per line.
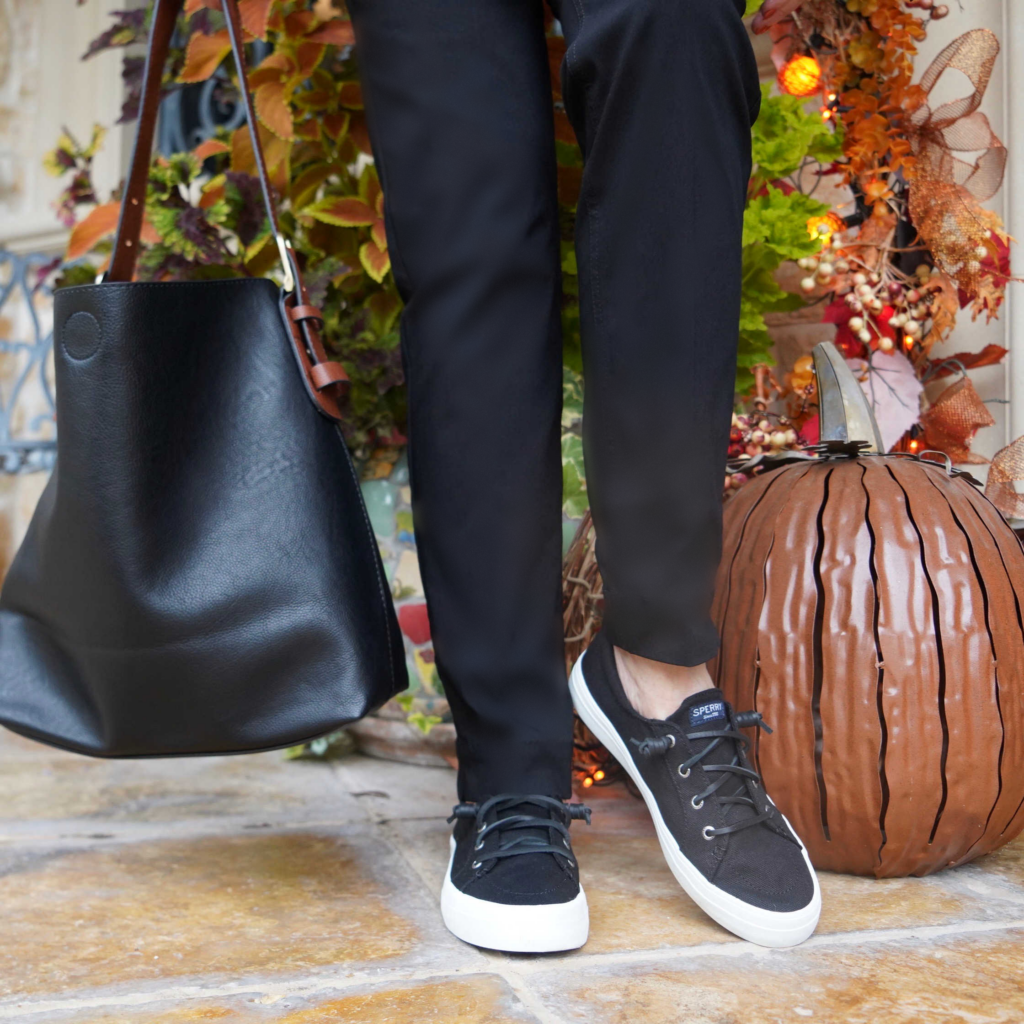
[{"x": 947, "y": 190}]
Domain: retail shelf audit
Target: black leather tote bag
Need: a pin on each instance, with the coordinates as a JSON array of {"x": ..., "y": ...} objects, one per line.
[{"x": 200, "y": 575}]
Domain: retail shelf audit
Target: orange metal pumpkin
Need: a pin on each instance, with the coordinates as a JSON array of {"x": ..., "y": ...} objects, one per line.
[{"x": 872, "y": 609}]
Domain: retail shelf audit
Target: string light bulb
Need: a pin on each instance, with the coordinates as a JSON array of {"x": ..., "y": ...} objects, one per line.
[
  {"x": 826, "y": 226},
  {"x": 800, "y": 76}
]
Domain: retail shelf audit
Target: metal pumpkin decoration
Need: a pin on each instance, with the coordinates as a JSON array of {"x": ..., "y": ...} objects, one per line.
[{"x": 872, "y": 609}]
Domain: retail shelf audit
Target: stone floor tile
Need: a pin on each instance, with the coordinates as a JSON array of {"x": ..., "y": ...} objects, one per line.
[
  {"x": 961, "y": 981},
  {"x": 636, "y": 903},
  {"x": 424, "y": 845},
  {"x": 1007, "y": 862},
  {"x": 212, "y": 907},
  {"x": 472, "y": 999},
  {"x": 391, "y": 790},
  {"x": 40, "y": 783}
]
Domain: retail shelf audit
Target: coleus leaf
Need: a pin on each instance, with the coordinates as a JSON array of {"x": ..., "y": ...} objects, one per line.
[
  {"x": 304, "y": 187},
  {"x": 255, "y": 14},
  {"x": 101, "y": 222},
  {"x": 308, "y": 56},
  {"x": 343, "y": 211},
  {"x": 376, "y": 261},
  {"x": 334, "y": 33},
  {"x": 204, "y": 55},
  {"x": 299, "y": 23},
  {"x": 210, "y": 147},
  {"x": 350, "y": 96},
  {"x": 336, "y": 125},
  {"x": 273, "y": 110}
]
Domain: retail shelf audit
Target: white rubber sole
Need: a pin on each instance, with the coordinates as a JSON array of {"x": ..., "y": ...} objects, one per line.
[
  {"x": 765, "y": 927},
  {"x": 542, "y": 928}
]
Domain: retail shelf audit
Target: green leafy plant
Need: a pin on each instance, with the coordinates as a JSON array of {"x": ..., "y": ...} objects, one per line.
[{"x": 786, "y": 137}]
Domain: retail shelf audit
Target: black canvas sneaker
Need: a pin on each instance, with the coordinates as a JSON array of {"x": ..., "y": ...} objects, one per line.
[
  {"x": 727, "y": 844},
  {"x": 512, "y": 881}
]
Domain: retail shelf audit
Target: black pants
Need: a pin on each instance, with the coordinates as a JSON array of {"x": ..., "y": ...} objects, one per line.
[{"x": 661, "y": 94}]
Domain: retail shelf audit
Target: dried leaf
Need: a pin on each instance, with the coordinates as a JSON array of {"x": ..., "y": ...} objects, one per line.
[
  {"x": 892, "y": 390},
  {"x": 101, "y": 222},
  {"x": 990, "y": 355}
]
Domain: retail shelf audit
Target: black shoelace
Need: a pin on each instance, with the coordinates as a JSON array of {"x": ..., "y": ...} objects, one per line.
[
  {"x": 745, "y": 794},
  {"x": 513, "y": 839}
]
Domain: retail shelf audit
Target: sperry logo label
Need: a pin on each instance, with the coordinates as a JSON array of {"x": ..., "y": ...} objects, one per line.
[{"x": 700, "y": 714}]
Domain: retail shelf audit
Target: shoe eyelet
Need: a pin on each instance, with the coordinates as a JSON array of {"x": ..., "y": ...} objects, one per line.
[
  {"x": 476, "y": 865},
  {"x": 682, "y": 774},
  {"x": 478, "y": 846},
  {"x": 572, "y": 863},
  {"x": 672, "y": 740},
  {"x": 704, "y": 832},
  {"x": 696, "y": 806},
  {"x": 565, "y": 843},
  {"x": 480, "y": 829}
]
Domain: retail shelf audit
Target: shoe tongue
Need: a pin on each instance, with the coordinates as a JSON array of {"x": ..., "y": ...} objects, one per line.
[
  {"x": 536, "y": 810},
  {"x": 704, "y": 709},
  {"x": 708, "y": 710}
]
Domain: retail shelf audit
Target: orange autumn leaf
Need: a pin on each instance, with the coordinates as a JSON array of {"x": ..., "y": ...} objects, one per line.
[
  {"x": 204, "y": 55},
  {"x": 191, "y": 6},
  {"x": 343, "y": 211},
  {"x": 375, "y": 260},
  {"x": 101, "y": 222},
  {"x": 273, "y": 110},
  {"x": 377, "y": 233},
  {"x": 334, "y": 33}
]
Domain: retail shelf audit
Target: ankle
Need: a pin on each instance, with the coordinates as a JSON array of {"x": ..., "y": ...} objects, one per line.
[{"x": 656, "y": 688}]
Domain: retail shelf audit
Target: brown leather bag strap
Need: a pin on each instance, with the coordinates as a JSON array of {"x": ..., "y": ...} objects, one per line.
[{"x": 126, "y": 243}]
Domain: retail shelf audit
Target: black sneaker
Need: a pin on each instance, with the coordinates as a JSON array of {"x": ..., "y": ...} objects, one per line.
[
  {"x": 512, "y": 881},
  {"x": 727, "y": 844}
]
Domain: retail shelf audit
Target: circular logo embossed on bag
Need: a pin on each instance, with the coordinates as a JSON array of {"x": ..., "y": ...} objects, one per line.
[{"x": 81, "y": 335}]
